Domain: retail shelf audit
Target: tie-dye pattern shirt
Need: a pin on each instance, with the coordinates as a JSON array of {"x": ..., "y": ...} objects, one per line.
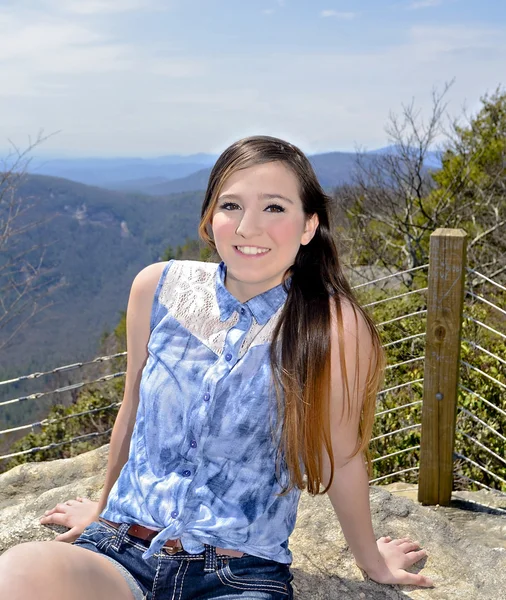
[{"x": 203, "y": 456}]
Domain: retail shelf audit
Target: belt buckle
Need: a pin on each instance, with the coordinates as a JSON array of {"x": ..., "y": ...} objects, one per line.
[{"x": 171, "y": 550}]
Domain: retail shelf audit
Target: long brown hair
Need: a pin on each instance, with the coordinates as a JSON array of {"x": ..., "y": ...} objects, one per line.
[{"x": 300, "y": 349}]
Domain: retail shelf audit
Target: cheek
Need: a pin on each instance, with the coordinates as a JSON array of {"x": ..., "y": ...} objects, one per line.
[
  {"x": 287, "y": 234},
  {"x": 222, "y": 226}
]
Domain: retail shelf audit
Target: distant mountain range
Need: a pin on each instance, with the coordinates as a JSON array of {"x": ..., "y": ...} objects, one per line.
[
  {"x": 176, "y": 174},
  {"x": 116, "y": 173}
]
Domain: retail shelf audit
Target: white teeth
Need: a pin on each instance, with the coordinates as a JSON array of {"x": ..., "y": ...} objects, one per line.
[{"x": 252, "y": 250}]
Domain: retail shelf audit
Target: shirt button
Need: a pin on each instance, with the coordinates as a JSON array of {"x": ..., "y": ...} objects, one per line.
[
  {"x": 242, "y": 311},
  {"x": 187, "y": 473},
  {"x": 207, "y": 397},
  {"x": 228, "y": 356},
  {"x": 193, "y": 444},
  {"x": 174, "y": 514}
]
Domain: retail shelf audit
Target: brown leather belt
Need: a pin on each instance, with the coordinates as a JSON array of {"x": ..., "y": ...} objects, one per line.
[{"x": 170, "y": 546}]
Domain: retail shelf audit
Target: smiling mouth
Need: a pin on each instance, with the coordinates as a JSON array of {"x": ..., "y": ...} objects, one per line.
[{"x": 251, "y": 250}]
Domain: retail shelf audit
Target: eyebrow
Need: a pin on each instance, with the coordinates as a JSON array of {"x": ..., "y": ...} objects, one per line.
[{"x": 262, "y": 197}]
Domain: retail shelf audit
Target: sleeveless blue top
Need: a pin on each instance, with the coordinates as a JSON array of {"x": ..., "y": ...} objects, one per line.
[{"x": 203, "y": 463}]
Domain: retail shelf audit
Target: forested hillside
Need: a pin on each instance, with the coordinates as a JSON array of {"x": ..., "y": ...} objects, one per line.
[{"x": 95, "y": 242}]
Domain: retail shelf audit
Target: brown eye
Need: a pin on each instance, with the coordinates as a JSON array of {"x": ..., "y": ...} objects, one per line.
[
  {"x": 277, "y": 208},
  {"x": 228, "y": 205}
]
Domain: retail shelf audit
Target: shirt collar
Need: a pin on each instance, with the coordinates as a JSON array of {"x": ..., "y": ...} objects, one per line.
[{"x": 263, "y": 306}]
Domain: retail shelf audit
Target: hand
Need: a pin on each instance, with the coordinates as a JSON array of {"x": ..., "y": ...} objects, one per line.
[
  {"x": 76, "y": 515},
  {"x": 398, "y": 555}
]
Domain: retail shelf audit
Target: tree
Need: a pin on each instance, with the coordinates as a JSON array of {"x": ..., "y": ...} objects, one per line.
[
  {"x": 471, "y": 185},
  {"x": 25, "y": 285},
  {"x": 397, "y": 200}
]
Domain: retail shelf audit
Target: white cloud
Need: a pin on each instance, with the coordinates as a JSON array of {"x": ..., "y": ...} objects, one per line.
[
  {"x": 114, "y": 95},
  {"x": 92, "y": 7},
  {"x": 417, "y": 4},
  {"x": 345, "y": 16}
]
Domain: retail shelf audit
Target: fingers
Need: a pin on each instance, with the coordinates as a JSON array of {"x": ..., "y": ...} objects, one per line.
[
  {"x": 69, "y": 536},
  {"x": 415, "y": 579},
  {"x": 55, "y": 519},
  {"x": 385, "y": 539},
  {"x": 409, "y": 546},
  {"x": 61, "y": 507},
  {"x": 400, "y": 541},
  {"x": 414, "y": 557}
]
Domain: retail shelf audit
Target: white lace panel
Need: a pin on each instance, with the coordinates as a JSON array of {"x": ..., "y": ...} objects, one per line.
[
  {"x": 189, "y": 295},
  {"x": 259, "y": 334}
]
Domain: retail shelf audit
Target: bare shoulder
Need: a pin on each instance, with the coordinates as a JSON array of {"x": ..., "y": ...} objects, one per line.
[
  {"x": 351, "y": 326},
  {"x": 141, "y": 298},
  {"x": 145, "y": 281}
]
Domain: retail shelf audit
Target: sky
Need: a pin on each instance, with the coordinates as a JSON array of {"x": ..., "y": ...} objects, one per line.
[{"x": 153, "y": 77}]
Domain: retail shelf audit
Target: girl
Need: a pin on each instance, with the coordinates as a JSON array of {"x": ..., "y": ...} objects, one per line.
[{"x": 246, "y": 382}]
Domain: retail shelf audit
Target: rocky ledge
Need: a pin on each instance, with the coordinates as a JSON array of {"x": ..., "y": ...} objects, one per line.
[{"x": 466, "y": 542}]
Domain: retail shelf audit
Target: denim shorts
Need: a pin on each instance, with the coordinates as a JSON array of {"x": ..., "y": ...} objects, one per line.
[{"x": 185, "y": 576}]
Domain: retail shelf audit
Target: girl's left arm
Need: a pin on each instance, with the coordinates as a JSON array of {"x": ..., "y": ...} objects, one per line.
[{"x": 384, "y": 560}]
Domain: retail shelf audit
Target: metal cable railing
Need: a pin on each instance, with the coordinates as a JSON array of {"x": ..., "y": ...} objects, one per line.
[
  {"x": 484, "y": 400},
  {"x": 487, "y": 302},
  {"x": 481, "y": 467},
  {"x": 396, "y": 274},
  {"x": 485, "y": 278},
  {"x": 410, "y": 449},
  {"x": 473, "y": 368},
  {"x": 485, "y": 351},
  {"x": 46, "y": 422},
  {"x": 65, "y": 368},
  {"x": 482, "y": 440},
  {"x": 67, "y": 388},
  {"x": 79, "y": 438},
  {"x": 473, "y": 320},
  {"x": 398, "y": 404},
  {"x": 393, "y": 474},
  {"x": 396, "y": 297},
  {"x": 482, "y": 446}
]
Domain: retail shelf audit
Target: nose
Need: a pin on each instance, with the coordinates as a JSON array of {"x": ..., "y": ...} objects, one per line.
[{"x": 249, "y": 225}]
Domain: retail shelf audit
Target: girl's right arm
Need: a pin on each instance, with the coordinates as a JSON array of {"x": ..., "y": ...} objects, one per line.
[{"x": 77, "y": 514}]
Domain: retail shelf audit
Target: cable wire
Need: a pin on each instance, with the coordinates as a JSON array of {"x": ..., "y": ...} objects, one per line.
[
  {"x": 491, "y": 354},
  {"x": 478, "y": 420},
  {"x": 392, "y": 474},
  {"x": 395, "y": 453},
  {"x": 56, "y": 445},
  {"x": 66, "y": 388},
  {"x": 503, "y": 385},
  {"x": 419, "y": 290},
  {"x": 482, "y": 446},
  {"x": 356, "y": 287},
  {"x": 64, "y": 368},
  {"x": 501, "y": 310},
  {"x": 487, "y": 402},
  {"x": 413, "y": 314},
  {"x": 485, "y": 326},
  {"x": 487, "y": 279},
  {"x": 405, "y": 339},
  {"x": 478, "y": 466},
  {"x": 384, "y": 435}
]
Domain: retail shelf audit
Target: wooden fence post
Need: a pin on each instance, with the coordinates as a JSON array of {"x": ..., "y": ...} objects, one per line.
[{"x": 441, "y": 373}]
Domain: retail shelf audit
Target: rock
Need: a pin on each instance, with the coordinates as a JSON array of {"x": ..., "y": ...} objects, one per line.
[{"x": 465, "y": 560}]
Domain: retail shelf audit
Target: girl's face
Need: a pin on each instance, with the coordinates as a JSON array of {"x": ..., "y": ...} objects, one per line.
[{"x": 258, "y": 226}]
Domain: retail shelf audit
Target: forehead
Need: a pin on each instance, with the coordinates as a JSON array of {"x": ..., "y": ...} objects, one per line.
[{"x": 267, "y": 178}]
